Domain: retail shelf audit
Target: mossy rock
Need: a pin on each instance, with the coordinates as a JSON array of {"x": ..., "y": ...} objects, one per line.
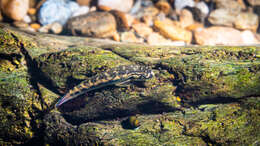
[{"x": 219, "y": 124}]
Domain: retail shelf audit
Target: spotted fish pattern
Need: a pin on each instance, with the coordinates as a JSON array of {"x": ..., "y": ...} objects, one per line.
[{"x": 113, "y": 76}]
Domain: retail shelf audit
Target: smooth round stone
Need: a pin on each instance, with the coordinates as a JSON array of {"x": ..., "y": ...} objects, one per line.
[
  {"x": 1, "y": 17},
  {"x": 27, "y": 19},
  {"x": 45, "y": 28},
  {"x": 180, "y": 4},
  {"x": 93, "y": 24},
  {"x": 56, "y": 28},
  {"x": 186, "y": 18},
  {"x": 56, "y": 11},
  {"x": 247, "y": 21},
  {"x": 173, "y": 31},
  {"x": 121, "y": 5},
  {"x": 222, "y": 17},
  {"x": 203, "y": 7},
  {"x": 142, "y": 29},
  {"x": 164, "y": 6},
  {"x": 84, "y": 2},
  {"x": 80, "y": 11},
  {"x": 15, "y": 9},
  {"x": 130, "y": 37},
  {"x": 20, "y": 24},
  {"x": 217, "y": 35}
]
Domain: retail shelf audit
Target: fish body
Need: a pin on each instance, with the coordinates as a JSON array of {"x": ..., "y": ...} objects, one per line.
[{"x": 111, "y": 77}]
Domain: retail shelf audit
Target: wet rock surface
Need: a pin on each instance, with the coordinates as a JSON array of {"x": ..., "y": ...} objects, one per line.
[{"x": 198, "y": 95}]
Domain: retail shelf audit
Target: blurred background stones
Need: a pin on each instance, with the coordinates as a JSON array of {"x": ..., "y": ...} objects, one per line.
[{"x": 154, "y": 22}]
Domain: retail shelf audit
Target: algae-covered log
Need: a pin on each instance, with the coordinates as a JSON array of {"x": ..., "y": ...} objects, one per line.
[{"x": 36, "y": 69}]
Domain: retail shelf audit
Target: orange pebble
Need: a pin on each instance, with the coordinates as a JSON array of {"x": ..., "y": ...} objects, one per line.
[
  {"x": 32, "y": 11},
  {"x": 116, "y": 37},
  {"x": 35, "y": 26},
  {"x": 104, "y": 8}
]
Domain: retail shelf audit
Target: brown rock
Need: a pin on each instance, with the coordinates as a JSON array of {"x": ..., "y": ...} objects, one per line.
[
  {"x": 247, "y": 21},
  {"x": 186, "y": 18},
  {"x": 194, "y": 26},
  {"x": 15, "y": 9},
  {"x": 83, "y": 2},
  {"x": 1, "y": 17},
  {"x": 104, "y": 8},
  {"x": 222, "y": 36},
  {"x": 254, "y": 2},
  {"x": 164, "y": 6},
  {"x": 142, "y": 29},
  {"x": 32, "y": 3},
  {"x": 93, "y": 24},
  {"x": 130, "y": 37},
  {"x": 249, "y": 37},
  {"x": 148, "y": 20},
  {"x": 56, "y": 28},
  {"x": 32, "y": 11},
  {"x": 231, "y": 5},
  {"x": 123, "y": 20},
  {"x": 148, "y": 11},
  {"x": 20, "y": 24},
  {"x": 156, "y": 39},
  {"x": 121, "y": 5},
  {"x": 222, "y": 17},
  {"x": 172, "y": 31}
]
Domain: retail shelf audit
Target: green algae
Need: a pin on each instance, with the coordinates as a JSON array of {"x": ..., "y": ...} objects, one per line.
[{"x": 194, "y": 73}]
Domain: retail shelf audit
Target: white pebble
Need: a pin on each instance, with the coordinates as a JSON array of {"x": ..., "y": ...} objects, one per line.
[
  {"x": 27, "y": 19},
  {"x": 82, "y": 10},
  {"x": 180, "y": 4},
  {"x": 203, "y": 7}
]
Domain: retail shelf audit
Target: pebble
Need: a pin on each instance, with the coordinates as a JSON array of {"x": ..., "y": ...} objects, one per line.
[
  {"x": 130, "y": 38},
  {"x": 170, "y": 30},
  {"x": 27, "y": 19},
  {"x": 222, "y": 17},
  {"x": 142, "y": 29},
  {"x": 14, "y": 9},
  {"x": 254, "y": 2},
  {"x": 194, "y": 26},
  {"x": 84, "y": 2},
  {"x": 45, "y": 28},
  {"x": 163, "y": 6},
  {"x": 218, "y": 35},
  {"x": 56, "y": 11},
  {"x": 203, "y": 7},
  {"x": 93, "y": 24},
  {"x": 32, "y": 3},
  {"x": 32, "y": 11},
  {"x": 249, "y": 38},
  {"x": 148, "y": 20},
  {"x": 156, "y": 39},
  {"x": 247, "y": 21},
  {"x": 1, "y": 16},
  {"x": 121, "y": 5},
  {"x": 81, "y": 11},
  {"x": 231, "y": 5},
  {"x": 180, "y": 4},
  {"x": 136, "y": 7},
  {"x": 20, "y": 24},
  {"x": 35, "y": 26},
  {"x": 123, "y": 20},
  {"x": 56, "y": 28},
  {"x": 147, "y": 11},
  {"x": 186, "y": 18}
]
